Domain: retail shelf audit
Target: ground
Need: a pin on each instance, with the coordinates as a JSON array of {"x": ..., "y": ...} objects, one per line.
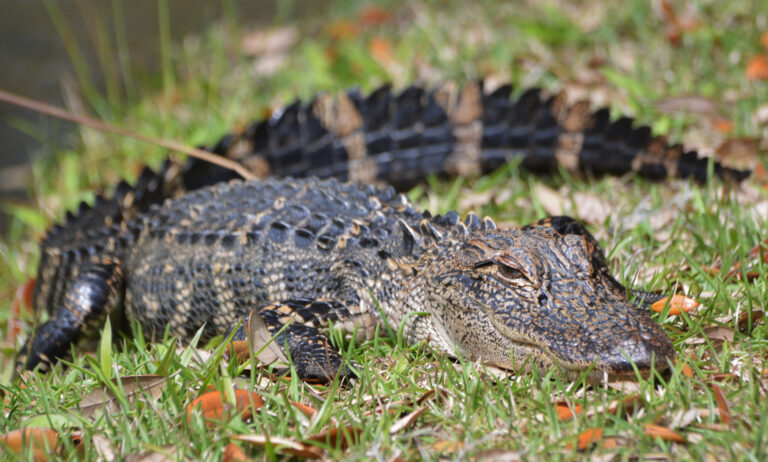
[{"x": 687, "y": 69}]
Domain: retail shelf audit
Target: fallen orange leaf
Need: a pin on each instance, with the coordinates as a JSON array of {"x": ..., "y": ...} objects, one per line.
[
  {"x": 336, "y": 437},
  {"x": 764, "y": 40},
  {"x": 723, "y": 125},
  {"x": 381, "y": 50},
  {"x": 628, "y": 405},
  {"x": 239, "y": 350},
  {"x": 343, "y": 29},
  {"x": 587, "y": 438},
  {"x": 21, "y": 299},
  {"x": 41, "y": 441},
  {"x": 677, "y": 305},
  {"x": 308, "y": 411},
  {"x": 212, "y": 405},
  {"x": 665, "y": 433},
  {"x": 448, "y": 446},
  {"x": 374, "y": 15},
  {"x": 686, "y": 370},
  {"x": 565, "y": 412},
  {"x": 757, "y": 68},
  {"x": 232, "y": 453},
  {"x": 722, "y": 403},
  {"x": 610, "y": 443}
]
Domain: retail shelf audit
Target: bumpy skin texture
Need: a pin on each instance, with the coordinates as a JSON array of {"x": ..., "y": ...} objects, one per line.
[
  {"x": 514, "y": 297},
  {"x": 308, "y": 253},
  {"x": 399, "y": 139}
]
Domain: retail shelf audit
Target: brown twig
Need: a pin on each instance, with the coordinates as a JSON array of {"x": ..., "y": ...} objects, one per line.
[{"x": 60, "y": 113}]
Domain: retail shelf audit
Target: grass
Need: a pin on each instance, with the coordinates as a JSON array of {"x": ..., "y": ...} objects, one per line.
[{"x": 657, "y": 236}]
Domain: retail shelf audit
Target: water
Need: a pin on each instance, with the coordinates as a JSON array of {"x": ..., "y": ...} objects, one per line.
[{"x": 35, "y": 62}]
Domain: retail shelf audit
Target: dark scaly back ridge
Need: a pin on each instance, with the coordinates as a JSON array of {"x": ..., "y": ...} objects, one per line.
[{"x": 400, "y": 138}]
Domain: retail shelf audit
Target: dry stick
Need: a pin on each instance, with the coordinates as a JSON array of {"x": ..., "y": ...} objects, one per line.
[{"x": 54, "y": 111}]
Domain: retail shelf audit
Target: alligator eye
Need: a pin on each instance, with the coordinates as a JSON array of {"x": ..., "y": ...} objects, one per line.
[{"x": 509, "y": 272}]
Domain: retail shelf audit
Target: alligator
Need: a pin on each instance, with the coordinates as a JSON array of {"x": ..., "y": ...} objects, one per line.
[{"x": 190, "y": 248}]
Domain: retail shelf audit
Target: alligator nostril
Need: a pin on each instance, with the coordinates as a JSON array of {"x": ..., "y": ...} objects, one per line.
[{"x": 642, "y": 351}]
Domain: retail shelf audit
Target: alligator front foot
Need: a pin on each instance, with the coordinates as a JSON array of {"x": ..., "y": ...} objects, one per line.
[{"x": 291, "y": 326}]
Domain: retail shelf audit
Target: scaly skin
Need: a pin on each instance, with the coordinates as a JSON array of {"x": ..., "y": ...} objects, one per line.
[
  {"x": 308, "y": 252},
  {"x": 111, "y": 258}
]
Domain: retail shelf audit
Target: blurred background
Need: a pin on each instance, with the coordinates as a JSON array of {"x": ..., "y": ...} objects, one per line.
[{"x": 46, "y": 47}]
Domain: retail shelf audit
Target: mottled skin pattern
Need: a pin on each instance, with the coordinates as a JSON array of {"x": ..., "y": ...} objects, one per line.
[
  {"x": 400, "y": 138},
  {"x": 308, "y": 252},
  {"x": 536, "y": 295}
]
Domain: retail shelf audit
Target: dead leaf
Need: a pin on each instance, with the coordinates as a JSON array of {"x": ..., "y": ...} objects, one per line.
[
  {"x": 591, "y": 208},
  {"x": 691, "y": 104},
  {"x": 374, "y": 15},
  {"x": 343, "y": 29},
  {"x": 566, "y": 412},
  {"x": 381, "y": 51},
  {"x": 233, "y": 453},
  {"x": 757, "y": 68},
  {"x": 587, "y": 438},
  {"x": 239, "y": 351},
  {"x": 722, "y": 403},
  {"x": 104, "y": 448},
  {"x": 611, "y": 442},
  {"x": 214, "y": 409},
  {"x": 685, "y": 417},
  {"x": 40, "y": 442},
  {"x": 723, "y": 126},
  {"x": 295, "y": 448},
  {"x": 721, "y": 333},
  {"x": 628, "y": 405},
  {"x": 749, "y": 319},
  {"x": 135, "y": 388},
  {"x": 665, "y": 433},
  {"x": 22, "y": 299},
  {"x": 686, "y": 370},
  {"x": 403, "y": 422},
  {"x": 744, "y": 150},
  {"x": 723, "y": 377},
  {"x": 626, "y": 387},
  {"x": 677, "y": 304},
  {"x": 336, "y": 437},
  {"x": 551, "y": 201},
  {"x": 262, "y": 343},
  {"x": 448, "y": 446},
  {"x": 308, "y": 411}
]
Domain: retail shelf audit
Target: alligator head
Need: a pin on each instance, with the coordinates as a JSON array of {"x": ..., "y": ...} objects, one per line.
[{"x": 541, "y": 295}]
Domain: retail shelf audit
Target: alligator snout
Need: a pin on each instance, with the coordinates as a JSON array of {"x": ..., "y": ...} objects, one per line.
[{"x": 641, "y": 351}]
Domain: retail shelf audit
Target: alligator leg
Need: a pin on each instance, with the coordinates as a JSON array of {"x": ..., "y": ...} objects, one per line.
[
  {"x": 81, "y": 312},
  {"x": 296, "y": 324}
]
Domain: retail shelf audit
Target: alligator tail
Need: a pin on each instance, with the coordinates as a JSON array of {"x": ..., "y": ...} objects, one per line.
[
  {"x": 89, "y": 233},
  {"x": 402, "y": 138}
]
